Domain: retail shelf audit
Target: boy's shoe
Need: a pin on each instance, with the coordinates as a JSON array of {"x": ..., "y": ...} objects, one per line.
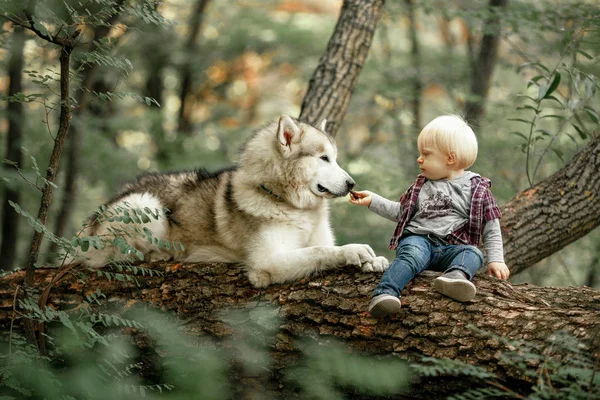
[
  {"x": 383, "y": 305},
  {"x": 455, "y": 285}
]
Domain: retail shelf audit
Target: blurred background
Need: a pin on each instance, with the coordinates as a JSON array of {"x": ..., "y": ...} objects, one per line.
[{"x": 220, "y": 69}]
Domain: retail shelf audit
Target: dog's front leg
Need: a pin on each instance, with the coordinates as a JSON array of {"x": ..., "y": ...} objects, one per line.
[{"x": 269, "y": 265}]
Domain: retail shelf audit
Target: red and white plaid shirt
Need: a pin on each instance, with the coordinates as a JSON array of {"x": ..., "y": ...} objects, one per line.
[{"x": 483, "y": 209}]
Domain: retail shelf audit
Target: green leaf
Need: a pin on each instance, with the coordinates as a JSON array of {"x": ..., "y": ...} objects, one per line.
[
  {"x": 527, "y": 97},
  {"x": 521, "y": 120},
  {"x": 528, "y": 107},
  {"x": 545, "y": 91},
  {"x": 544, "y": 132},
  {"x": 592, "y": 114},
  {"x": 571, "y": 137},
  {"x": 556, "y": 100},
  {"x": 581, "y": 133},
  {"x": 553, "y": 116},
  {"x": 559, "y": 154},
  {"x": 535, "y": 64},
  {"x": 583, "y": 53},
  {"x": 534, "y": 80},
  {"x": 519, "y": 134}
]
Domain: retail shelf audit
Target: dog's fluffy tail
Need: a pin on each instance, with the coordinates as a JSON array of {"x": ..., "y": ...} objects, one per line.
[{"x": 107, "y": 229}]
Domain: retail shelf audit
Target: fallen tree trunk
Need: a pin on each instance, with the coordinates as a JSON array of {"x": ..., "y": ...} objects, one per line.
[{"x": 334, "y": 305}]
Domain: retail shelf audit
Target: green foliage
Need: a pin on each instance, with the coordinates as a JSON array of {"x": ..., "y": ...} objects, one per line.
[
  {"x": 571, "y": 109},
  {"x": 330, "y": 366},
  {"x": 91, "y": 358}
]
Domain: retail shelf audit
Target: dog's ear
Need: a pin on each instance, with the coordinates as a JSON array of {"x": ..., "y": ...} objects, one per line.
[
  {"x": 323, "y": 125},
  {"x": 288, "y": 133}
]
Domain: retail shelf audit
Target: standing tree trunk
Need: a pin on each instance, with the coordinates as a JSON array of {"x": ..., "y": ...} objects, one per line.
[
  {"x": 334, "y": 79},
  {"x": 554, "y": 213},
  {"x": 483, "y": 67},
  {"x": 415, "y": 54},
  {"x": 10, "y": 219},
  {"x": 186, "y": 70}
]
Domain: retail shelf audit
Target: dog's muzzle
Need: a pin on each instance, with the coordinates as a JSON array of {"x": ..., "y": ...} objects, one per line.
[{"x": 349, "y": 185}]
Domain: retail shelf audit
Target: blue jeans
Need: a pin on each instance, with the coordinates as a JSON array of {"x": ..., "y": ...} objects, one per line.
[{"x": 416, "y": 253}]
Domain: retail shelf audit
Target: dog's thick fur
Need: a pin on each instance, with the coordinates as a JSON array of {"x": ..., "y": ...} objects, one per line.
[{"x": 270, "y": 212}]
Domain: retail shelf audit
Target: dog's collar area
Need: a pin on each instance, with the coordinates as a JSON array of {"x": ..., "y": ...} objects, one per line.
[{"x": 269, "y": 191}]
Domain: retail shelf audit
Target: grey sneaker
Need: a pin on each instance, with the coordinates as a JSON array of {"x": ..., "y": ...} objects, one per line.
[
  {"x": 455, "y": 285},
  {"x": 383, "y": 305}
]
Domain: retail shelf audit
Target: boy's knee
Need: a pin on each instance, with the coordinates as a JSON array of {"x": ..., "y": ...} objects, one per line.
[{"x": 475, "y": 251}]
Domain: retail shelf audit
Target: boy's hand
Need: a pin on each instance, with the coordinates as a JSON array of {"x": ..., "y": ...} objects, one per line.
[
  {"x": 362, "y": 198},
  {"x": 499, "y": 270}
]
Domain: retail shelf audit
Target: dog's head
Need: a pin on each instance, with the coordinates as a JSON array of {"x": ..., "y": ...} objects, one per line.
[{"x": 308, "y": 155}]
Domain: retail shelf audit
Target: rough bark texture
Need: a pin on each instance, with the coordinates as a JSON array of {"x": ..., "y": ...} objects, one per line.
[
  {"x": 334, "y": 305},
  {"x": 10, "y": 219},
  {"x": 483, "y": 67},
  {"x": 335, "y": 77},
  {"x": 554, "y": 213}
]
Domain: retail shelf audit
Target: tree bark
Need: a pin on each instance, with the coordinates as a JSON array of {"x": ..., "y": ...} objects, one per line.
[
  {"x": 333, "y": 82},
  {"x": 415, "y": 53},
  {"x": 554, "y": 213},
  {"x": 483, "y": 67},
  {"x": 10, "y": 219},
  {"x": 184, "y": 124},
  {"x": 334, "y": 304}
]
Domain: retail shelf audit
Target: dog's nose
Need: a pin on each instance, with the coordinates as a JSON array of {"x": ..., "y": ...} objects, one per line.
[{"x": 350, "y": 184}]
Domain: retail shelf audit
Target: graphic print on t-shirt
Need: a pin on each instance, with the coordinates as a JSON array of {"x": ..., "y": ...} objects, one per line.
[{"x": 437, "y": 205}]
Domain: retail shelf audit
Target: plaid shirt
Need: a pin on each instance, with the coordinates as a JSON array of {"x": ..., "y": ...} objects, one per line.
[{"x": 483, "y": 209}]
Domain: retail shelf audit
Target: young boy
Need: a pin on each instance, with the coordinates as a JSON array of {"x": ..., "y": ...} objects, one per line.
[{"x": 441, "y": 219}]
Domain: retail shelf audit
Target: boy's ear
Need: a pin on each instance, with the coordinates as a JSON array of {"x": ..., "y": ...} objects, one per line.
[{"x": 451, "y": 158}]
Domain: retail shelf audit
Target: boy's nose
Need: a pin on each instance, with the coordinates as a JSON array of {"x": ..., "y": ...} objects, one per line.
[{"x": 420, "y": 160}]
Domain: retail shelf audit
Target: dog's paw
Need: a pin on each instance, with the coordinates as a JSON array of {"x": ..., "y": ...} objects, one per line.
[
  {"x": 380, "y": 264},
  {"x": 259, "y": 279},
  {"x": 359, "y": 255}
]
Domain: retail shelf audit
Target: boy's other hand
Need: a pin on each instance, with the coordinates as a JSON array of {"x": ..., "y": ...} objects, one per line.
[
  {"x": 362, "y": 198},
  {"x": 499, "y": 270}
]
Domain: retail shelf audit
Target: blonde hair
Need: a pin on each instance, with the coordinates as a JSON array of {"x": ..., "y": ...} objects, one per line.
[{"x": 450, "y": 134}]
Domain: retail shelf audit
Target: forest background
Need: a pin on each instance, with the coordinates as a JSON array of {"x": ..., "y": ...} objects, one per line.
[
  {"x": 237, "y": 65},
  {"x": 160, "y": 86}
]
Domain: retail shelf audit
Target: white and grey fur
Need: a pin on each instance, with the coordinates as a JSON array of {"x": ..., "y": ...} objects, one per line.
[{"x": 270, "y": 212}]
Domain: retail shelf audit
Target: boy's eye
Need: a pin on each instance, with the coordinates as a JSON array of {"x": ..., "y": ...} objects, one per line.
[{"x": 325, "y": 158}]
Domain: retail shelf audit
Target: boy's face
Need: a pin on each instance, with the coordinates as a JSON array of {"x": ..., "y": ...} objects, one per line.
[{"x": 434, "y": 164}]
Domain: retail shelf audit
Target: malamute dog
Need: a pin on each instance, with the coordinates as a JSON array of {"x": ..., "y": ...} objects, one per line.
[{"x": 269, "y": 213}]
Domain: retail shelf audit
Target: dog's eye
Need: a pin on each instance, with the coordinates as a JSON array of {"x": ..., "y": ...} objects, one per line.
[{"x": 325, "y": 158}]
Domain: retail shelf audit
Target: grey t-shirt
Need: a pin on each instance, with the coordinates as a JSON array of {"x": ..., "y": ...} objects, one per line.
[{"x": 442, "y": 207}]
